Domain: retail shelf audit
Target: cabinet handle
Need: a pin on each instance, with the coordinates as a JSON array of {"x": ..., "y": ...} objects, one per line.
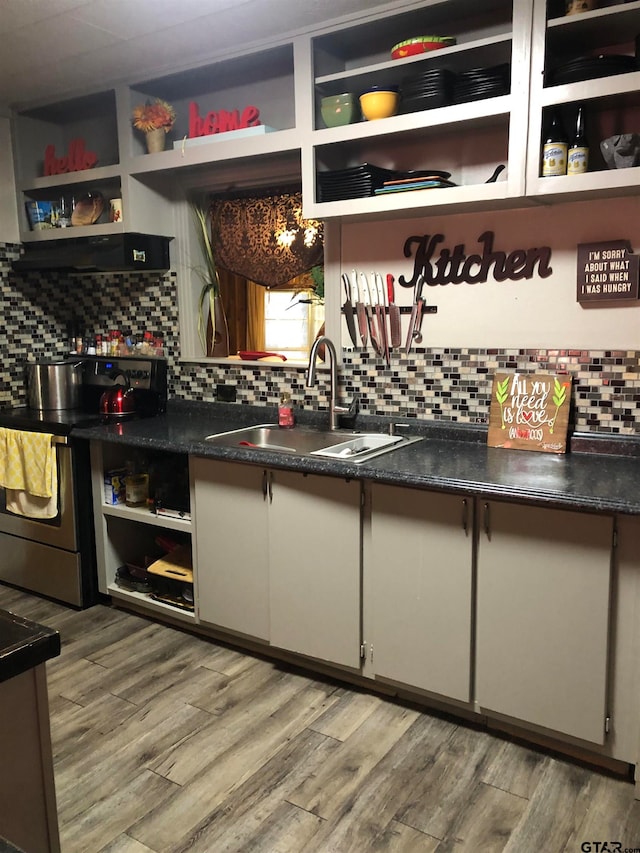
[
  {"x": 487, "y": 521},
  {"x": 264, "y": 485},
  {"x": 270, "y": 486},
  {"x": 465, "y": 516}
]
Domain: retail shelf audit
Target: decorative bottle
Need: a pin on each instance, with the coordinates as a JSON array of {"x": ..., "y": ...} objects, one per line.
[
  {"x": 578, "y": 155},
  {"x": 554, "y": 149},
  {"x": 286, "y": 418}
]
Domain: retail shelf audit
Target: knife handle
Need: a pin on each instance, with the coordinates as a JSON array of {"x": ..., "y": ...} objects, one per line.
[
  {"x": 390, "y": 292},
  {"x": 347, "y": 286},
  {"x": 365, "y": 292}
]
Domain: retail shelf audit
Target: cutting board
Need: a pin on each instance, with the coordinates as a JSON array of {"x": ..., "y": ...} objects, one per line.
[{"x": 175, "y": 565}]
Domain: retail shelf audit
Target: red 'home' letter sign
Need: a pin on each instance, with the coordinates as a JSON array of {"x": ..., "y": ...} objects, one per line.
[{"x": 220, "y": 121}]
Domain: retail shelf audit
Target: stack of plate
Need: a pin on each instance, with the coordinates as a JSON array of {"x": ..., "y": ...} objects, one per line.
[
  {"x": 427, "y": 91},
  {"x": 433, "y": 179},
  {"x": 481, "y": 83},
  {"x": 590, "y": 67},
  {"x": 355, "y": 182}
]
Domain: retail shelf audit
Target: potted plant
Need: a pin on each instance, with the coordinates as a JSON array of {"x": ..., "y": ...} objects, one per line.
[
  {"x": 212, "y": 321},
  {"x": 155, "y": 119}
]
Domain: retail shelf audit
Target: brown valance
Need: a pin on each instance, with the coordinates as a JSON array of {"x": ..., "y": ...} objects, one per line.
[{"x": 265, "y": 239}]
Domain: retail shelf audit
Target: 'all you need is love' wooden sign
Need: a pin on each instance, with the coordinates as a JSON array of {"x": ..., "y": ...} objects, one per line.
[{"x": 530, "y": 411}]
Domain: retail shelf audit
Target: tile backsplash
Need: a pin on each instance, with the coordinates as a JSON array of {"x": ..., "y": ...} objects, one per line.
[{"x": 38, "y": 312}]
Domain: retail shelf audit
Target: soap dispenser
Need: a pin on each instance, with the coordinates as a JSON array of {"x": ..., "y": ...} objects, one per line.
[{"x": 286, "y": 418}]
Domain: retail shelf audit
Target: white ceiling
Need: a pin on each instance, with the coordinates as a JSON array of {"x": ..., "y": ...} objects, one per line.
[{"x": 55, "y": 48}]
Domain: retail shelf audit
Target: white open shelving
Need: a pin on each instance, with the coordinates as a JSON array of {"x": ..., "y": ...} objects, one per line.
[{"x": 612, "y": 103}]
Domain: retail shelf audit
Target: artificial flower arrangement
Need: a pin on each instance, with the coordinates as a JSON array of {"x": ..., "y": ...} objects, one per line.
[{"x": 154, "y": 115}]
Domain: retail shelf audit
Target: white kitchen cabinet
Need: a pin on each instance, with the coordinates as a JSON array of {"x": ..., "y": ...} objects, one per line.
[
  {"x": 612, "y": 103},
  {"x": 315, "y": 571},
  {"x": 279, "y": 557},
  {"x": 543, "y": 594},
  {"x": 420, "y": 567},
  {"x": 233, "y": 546}
]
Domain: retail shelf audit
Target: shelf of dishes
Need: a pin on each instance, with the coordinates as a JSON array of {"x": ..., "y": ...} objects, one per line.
[
  {"x": 361, "y": 75},
  {"x": 417, "y": 157},
  {"x": 438, "y": 25},
  {"x": 73, "y": 207}
]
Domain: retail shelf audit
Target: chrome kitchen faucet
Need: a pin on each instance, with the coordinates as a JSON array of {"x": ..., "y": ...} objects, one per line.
[{"x": 334, "y": 408}]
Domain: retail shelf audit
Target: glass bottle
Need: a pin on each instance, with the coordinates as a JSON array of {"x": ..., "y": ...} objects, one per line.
[
  {"x": 554, "y": 149},
  {"x": 578, "y": 155},
  {"x": 136, "y": 484}
]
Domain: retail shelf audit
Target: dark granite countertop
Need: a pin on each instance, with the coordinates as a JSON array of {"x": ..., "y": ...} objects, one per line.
[
  {"x": 24, "y": 644},
  {"x": 599, "y": 474}
]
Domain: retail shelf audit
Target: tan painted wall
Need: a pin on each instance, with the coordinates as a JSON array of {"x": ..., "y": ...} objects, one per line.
[{"x": 536, "y": 313}]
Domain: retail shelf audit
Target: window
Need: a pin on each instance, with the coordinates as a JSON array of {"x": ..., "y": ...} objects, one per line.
[{"x": 292, "y": 320}]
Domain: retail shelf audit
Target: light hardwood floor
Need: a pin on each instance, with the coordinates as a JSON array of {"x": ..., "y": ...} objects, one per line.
[{"x": 165, "y": 741}]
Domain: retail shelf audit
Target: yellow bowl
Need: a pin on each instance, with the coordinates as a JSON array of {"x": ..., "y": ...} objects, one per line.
[{"x": 380, "y": 104}]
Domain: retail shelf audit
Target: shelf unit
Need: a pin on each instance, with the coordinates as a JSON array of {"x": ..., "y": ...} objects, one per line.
[
  {"x": 468, "y": 139},
  {"x": 286, "y": 81},
  {"x": 127, "y": 534},
  {"x": 147, "y": 183},
  {"x": 612, "y": 103},
  {"x": 92, "y": 119}
]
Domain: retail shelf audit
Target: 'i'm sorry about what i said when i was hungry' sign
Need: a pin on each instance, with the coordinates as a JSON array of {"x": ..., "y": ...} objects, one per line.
[{"x": 607, "y": 271}]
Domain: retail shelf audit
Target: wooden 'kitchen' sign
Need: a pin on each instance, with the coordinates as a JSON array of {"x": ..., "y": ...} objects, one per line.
[{"x": 529, "y": 411}]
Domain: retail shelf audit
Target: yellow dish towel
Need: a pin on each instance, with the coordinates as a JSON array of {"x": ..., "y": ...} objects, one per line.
[{"x": 28, "y": 473}]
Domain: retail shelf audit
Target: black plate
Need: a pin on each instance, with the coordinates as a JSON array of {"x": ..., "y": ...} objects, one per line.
[
  {"x": 413, "y": 91},
  {"x": 428, "y": 102},
  {"x": 590, "y": 68},
  {"x": 421, "y": 173}
]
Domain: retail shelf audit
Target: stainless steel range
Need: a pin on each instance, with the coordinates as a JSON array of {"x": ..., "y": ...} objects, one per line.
[{"x": 56, "y": 557}]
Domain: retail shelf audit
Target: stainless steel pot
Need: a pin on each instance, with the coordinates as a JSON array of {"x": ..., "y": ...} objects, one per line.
[{"x": 53, "y": 384}]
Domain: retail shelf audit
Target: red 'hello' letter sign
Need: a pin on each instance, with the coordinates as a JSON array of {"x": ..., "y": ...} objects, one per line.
[{"x": 77, "y": 160}]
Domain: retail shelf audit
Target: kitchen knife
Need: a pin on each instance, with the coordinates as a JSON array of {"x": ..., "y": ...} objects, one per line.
[
  {"x": 360, "y": 309},
  {"x": 366, "y": 298},
  {"x": 395, "y": 332},
  {"x": 413, "y": 319},
  {"x": 348, "y": 310},
  {"x": 378, "y": 309},
  {"x": 382, "y": 318}
]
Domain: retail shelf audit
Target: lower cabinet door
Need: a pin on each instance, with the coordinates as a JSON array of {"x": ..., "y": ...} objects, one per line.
[
  {"x": 543, "y": 616},
  {"x": 314, "y": 566},
  {"x": 420, "y": 565},
  {"x": 232, "y": 540}
]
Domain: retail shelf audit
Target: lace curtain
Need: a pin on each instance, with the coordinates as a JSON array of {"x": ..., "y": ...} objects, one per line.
[{"x": 264, "y": 238}]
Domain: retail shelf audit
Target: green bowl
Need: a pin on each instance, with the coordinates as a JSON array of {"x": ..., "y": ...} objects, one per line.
[{"x": 338, "y": 110}]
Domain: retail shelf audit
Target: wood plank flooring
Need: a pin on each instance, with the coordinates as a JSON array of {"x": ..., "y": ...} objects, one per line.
[{"x": 165, "y": 741}]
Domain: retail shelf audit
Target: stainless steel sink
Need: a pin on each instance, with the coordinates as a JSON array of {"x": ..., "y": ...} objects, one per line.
[{"x": 305, "y": 441}]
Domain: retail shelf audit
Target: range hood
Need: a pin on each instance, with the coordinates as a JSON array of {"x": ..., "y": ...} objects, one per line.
[{"x": 110, "y": 253}]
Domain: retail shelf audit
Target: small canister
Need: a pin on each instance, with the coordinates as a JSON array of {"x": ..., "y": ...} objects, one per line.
[
  {"x": 137, "y": 489},
  {"x": 115, "y": 210}
]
